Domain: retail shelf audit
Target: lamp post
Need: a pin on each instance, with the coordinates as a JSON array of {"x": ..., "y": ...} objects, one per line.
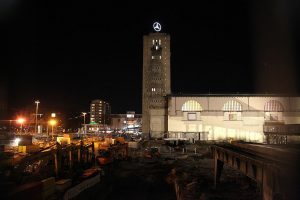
[
  {"x": 21, "y": 121},
  {"x": 52, "y": 122},
  {"x": 36, "y": 114},
  {"x": 83, "y": 113}
]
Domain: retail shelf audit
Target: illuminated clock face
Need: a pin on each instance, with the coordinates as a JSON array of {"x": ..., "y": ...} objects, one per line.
[{"x": 157, "y": 26}]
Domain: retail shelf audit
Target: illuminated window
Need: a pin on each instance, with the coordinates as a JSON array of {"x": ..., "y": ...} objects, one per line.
[
  {"x": 232, "y": 116},
  {"x": 130, "y": 115},
  {"x": 191, "y": 105},
  {"x": 273, "y": 106},
  {"x": 152, "y": 57},
  {"x": 159, "y": 57},
  {"x": 273, "y": 111},
  {"x": 232, "y": 110},
  {"x": 192, "y": 116},
  {"x": 232, "y": 106},
  {"x": 273, "y": 117}
]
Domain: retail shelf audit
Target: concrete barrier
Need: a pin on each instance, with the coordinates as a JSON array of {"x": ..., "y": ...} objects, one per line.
[{"x": 74, "y": 191}]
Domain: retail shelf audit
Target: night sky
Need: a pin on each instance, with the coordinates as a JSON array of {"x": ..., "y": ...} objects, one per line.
[{"x": 66, "y": 53}]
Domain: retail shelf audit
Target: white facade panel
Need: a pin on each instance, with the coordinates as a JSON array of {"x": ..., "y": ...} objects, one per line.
[{"x": 216, "y": 124}]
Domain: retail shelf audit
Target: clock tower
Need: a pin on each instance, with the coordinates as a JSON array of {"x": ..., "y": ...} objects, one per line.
[{"x": 156, "y": 82}]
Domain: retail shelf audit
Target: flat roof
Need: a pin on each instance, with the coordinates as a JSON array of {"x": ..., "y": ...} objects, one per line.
[
  {"x": 231, "y": 95},
  {"x": 175, "y": 139}
]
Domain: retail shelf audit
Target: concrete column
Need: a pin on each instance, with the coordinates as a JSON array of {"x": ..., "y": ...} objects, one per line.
[
  {"x": 218, "y": 169},
  {"x": 55, "y": 164},
  {"x": 79, "y": 154},
  {"x": 93, "y": 153},
  {"x": 57, "y": 160},
  {"x": 70, "y": 159},
  {"x": 267, "y": 187}
]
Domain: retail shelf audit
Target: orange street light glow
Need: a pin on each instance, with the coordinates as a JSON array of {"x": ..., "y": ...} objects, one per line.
[
  {"x": 21, "y": 120},
  {"x": 52, "y": 122}
]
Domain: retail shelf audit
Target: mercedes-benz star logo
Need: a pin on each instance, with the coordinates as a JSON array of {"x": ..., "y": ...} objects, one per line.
[{"x": 157, "y": 26}]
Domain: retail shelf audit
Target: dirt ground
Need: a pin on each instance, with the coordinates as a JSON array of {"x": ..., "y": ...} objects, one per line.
[
  {"x": 177, "y": 174},
  {"x": 133, "y": 179}
]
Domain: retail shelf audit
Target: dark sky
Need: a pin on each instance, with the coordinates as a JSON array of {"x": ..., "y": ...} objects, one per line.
[{"x": 66, "y": 53}]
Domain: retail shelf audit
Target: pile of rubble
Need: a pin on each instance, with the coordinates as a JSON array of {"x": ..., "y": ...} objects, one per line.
[{"x": 180, "y": 174}]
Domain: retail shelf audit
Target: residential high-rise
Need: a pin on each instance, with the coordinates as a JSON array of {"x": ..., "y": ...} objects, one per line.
[
  {"x": 100, "y": 112},
  {"x": 156, "y": 82}
]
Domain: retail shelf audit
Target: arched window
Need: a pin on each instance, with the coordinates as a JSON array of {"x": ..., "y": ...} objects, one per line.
[
  {"x": 273, "y": 111},
  {"x": 191, "y": 105},
  {"x": 232, "y": 110},
  {"x": 273, "y": 106},
  {"x": 232, "y": 106},
  {"x": 191, "y": 110}
]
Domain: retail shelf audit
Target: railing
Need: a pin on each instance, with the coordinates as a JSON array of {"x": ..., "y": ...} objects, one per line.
[{"x": 282, "y": 129}]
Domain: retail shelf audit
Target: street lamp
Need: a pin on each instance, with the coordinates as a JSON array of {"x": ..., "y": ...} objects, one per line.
[
  {"x": 21, "y": 121},
  {"x": 36, "y": 114},
  {"x": 84, "y": 113},
  {"x": 52, "y": 122}
]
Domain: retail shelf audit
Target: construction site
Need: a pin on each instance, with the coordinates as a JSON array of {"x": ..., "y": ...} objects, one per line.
[
  {"x": 108, "y": 167},
  {"x": 162, "y": 170}
]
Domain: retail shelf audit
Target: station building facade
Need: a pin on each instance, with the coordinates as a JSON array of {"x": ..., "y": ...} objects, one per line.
[{"x": 225, "y": 117}]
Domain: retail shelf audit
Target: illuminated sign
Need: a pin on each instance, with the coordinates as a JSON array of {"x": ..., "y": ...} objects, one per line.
[
  {"x": 156, "y": 26},
  {"x": 130, "y": 115}
]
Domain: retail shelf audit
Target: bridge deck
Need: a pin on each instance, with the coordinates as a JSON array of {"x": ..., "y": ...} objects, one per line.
[{"x": 273, "y": 167}]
